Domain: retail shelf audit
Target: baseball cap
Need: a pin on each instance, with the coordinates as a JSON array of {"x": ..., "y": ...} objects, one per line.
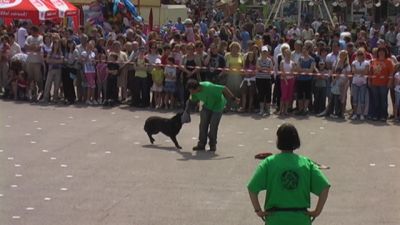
[
  {"x": 158, "y": 61},
  {"x": 264, "y": 48}
]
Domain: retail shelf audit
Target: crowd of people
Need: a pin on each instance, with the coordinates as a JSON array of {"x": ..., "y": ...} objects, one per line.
[{"x": 313, "y": 69}]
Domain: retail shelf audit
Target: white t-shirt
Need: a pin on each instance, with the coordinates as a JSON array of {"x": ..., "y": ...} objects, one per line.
[
  {"x": 359, "y": 79},
  {"x": 89, "y": 62},
  {"x": 22, "y": 33},
  {"x": 339, "y": 81},
  {"x": 15, "y": 49},
  {"x": 398, "y": 39},
  {"x": 397, "y": 82},
  {"x": 331, "y": 59},
  {"x": 34, "y": 57},
  {"x": 307, "y": 34}
]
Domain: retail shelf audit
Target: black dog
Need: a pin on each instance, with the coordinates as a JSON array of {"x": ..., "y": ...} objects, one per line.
[{"x": 169, "y": 127}]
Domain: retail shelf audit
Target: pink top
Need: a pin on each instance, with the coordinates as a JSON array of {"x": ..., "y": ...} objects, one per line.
[{"x": 102, "y": 71}]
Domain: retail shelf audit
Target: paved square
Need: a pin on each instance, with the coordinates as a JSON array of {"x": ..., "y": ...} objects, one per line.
[{"x": 88, "y": 165}]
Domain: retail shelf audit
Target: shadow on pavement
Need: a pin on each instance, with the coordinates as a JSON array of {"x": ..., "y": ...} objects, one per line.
[{"x": 186, "y": 156}]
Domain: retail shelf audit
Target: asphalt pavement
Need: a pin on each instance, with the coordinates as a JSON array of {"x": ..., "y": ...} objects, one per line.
[{"x": 78, "y": 165}]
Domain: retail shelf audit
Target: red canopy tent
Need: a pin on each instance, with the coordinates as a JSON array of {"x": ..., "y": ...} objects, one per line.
[
  {"x": 66, "y": 9},
  {"x": 34, "y": 10},
  {"x": 38, "y": 10}
]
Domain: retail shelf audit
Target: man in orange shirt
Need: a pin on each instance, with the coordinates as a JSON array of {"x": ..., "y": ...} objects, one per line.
[{"x": 382, "y": 73}]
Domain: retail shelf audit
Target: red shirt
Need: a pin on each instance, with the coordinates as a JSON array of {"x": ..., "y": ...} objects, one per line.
[{"x": 383, "y": 70}]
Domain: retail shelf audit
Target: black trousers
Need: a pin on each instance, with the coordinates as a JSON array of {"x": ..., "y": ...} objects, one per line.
[
  {"x": 141, "y": 92},
  {"x": 112, "y": 88},
  {"x": 68, "y": 84}
]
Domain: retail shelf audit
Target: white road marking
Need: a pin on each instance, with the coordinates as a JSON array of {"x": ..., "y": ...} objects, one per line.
[
  {"x": 240, "y": 145},
  {"x": 8, "y": 126},
  {"x": 94, "y": 120},
  {"x": 93, "y": 143},
  {"x": 372, "y": 164},
  {"x": 266, "y": 128},
  {"x": 63, "y": 189},
  {"x": 62, "y": 124},
  {"x": 1, "y": 150},
  {"x": 18, "y": 175},
  {"x": 136, "y": 117},
  {"x": 194, "y": 138},
  {"x": 107, "y": 152},
  {"x": 270, "y": 141},
  {"x": 10, "y": 158},
  {"x": 312, "y": 133},
  {"x": 47, "y": 198},
  {"x": 239, "y": 132},
  {"x": 33, "y": 142},
  {"x": 27, "y": 134},
  {"x": 64, "y": 165},
  {"x": 53, "y": 158},
  {"x": 70, "y": 117},
  {"x": 392, "y": 165},
  {"x": 321, "y": 128},
  {"x": 136, "y": 143},
  {"x": 113, "y": 113},
  {"x": 45, "y": 151},
  {"x": 1, "y": 195},
  {"x": 14, "y": 186},
  {"x": 38, "y": 128},
  {"x": 16, "y": 217},
  {"x": 68, "y": 176},
  {"x": 17, "y": 165},
  {"x": 35, "y": 121},
  {"x": 29, "y": 208}
]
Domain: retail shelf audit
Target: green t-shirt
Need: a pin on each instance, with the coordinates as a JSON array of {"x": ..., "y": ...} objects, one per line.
[
  {"x": 211, "y": 95},
  {"x": 288, "y": 179}
]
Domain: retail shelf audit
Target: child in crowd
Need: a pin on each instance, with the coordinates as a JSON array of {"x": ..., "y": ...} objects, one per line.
[
  {"x": 248, "y": 85},
  {"x": 397, "y": 93},
  {"x": 360, "y": 68},
  {"x": 112, "y": 78},
  {"x": 22, "y": 86},
  {"x": 102, "y": 74},
  {"x": 339, "y": 86},
  {"x": 287, "y": 68},
  {"x": 88, "y": 58},
  {"x": 320, "y": 85},
  {"x": 157, "y": 75},
  {"x": 170, "y": 83}
]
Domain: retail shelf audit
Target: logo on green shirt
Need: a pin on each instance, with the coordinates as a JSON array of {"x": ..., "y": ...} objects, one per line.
[{"x": 290, "y": 179}]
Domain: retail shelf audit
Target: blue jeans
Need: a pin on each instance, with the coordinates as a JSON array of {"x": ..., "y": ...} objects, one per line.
[
  {"x": 209, "y": 122},
  {"x": 379, "y": 102},
  {"x": 358, "y": 94}
]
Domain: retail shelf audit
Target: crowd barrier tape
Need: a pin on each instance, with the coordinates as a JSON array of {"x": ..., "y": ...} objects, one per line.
[{"x": 247, "y": 71}]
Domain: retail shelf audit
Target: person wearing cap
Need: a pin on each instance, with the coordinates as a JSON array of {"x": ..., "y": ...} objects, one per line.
[
  {"x": 213, "y": 97},
  {"x": 288, "y": 179},
  {"x": 157, "y": 75},
  {"x": 264, "y": 73}
]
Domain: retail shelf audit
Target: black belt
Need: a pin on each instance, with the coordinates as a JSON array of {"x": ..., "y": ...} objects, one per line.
[{"x": 277, "y": 209}]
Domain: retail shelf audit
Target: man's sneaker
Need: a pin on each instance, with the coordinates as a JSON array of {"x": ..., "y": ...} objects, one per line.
[
  {"x": 213, "y": 148},
  {"x": 199, "y": 148},
  {"x": 362, "y": 117},
  {"x": 354, "y": 117}
]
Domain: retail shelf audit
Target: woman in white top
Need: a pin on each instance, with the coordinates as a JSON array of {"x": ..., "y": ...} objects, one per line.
[
  {"x": 287, "y": 67},
  {"x": 360, "y": 69}
]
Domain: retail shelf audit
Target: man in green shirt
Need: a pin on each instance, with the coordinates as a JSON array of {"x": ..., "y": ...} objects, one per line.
[
  {"x": 213, "y": 97},
  {"x": 288, "y": 179}
]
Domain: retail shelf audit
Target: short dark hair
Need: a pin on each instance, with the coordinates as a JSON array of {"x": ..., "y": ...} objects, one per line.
[
  {"x": 192, "y": 84},
  {"x": 288, "y": 138},
  {"x": 385, "y": 50}
]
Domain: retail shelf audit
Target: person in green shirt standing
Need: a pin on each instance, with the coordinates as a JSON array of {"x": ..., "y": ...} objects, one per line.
[
  {"x": 214, "y": 101},
  {"x": 288, "y": 179}
]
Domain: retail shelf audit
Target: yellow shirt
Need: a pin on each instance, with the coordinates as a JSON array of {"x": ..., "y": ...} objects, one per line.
[
  {"x": 157, "y": 75},
  {"x": 234, "y": 63}
]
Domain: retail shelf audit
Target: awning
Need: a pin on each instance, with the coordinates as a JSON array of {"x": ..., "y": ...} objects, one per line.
[
  {"x": 64, "y": 8},
  {"x": 34, "y": 10}
]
